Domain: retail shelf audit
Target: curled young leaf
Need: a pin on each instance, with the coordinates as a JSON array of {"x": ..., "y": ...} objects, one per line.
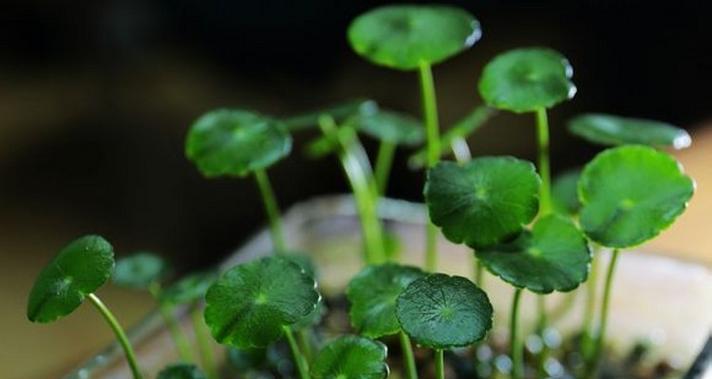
[
  {"x": 610, "y": 130},
  {"x": 79, "y": 269},
  {"x": 139, "y": 270},
  {"x": 351, "y": 357}
]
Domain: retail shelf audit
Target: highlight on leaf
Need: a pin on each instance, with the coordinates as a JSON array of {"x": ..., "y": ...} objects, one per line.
[{"x": 611, "y": 130}]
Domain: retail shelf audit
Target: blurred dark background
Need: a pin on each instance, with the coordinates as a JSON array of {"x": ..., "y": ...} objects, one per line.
[{"x": 96, "y": 98}]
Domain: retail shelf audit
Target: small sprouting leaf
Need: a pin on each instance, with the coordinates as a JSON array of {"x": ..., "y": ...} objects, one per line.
[
  {"x": 79, "y": 269},
  {"x": 442, "y": 312},
  {"x": 554, "y": 256},
  {"x": 236, "y": 142},
  {"x": 139, "y": 270},
  {"x": 392, "y": 127},
  {"x": 181, "y": 371},
  {"x": 527, "y": 79},
  {"x": 613, "y": 130},
  {"x": 373, "y": 294},
  {"x": 564, "y": 192},
  {"x": 249, "y": 305},
  {"x": 351, "y": 357},
  {"x": 188, "y": 289},
  {"x": 405, "y": 36},
  {"x": 484, "y": 201},
  {"x": 629, "y": 194}
]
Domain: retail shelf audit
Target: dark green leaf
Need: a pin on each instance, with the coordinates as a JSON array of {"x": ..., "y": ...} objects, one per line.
[
  {"x": 249, "y": 305},
  {"x": 484, "y": 201},
  {"x": 351, "y": 357},
  {"x": 189, "y": 289},
  {"x": 139, "y": 270},
  {"x": 236, "y": 142},
  {"x": 554, "y": 256},
  {"x": 392, "y": 127},
  {"x": 442, "y": 312},
  {"x": 528, "y": 79},
  {"x": 246, "y": 359},
  {"x": 613, "y": 130},
  {"x": 79, "y": 269},
  {"x": 181, "y": 371},
  {"x": 406, "y": 36},
  {"x": 304, "y": 261},
  {"x": 564, "y": 192},
  {"x": 631, "y": 193},
  {"x": 373, "y": 294}
]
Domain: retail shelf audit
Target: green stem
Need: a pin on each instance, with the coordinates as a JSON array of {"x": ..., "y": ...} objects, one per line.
[
  {"x": 430, "y": 111},
  {"x": 304, "y": 336},
  {"x": 542, "y": 128},
  {"x": 590, "y": 308},
  {"x": 272, "y": 209},
  {"x": 120, "y": 334},
  {"x": 478, "y": 269},
  {"x": 439, "y": 364},
  {"x": 207, "y": 354},
  {"x": 460, "y": 149},
  {"x": 601, "y": 336},
  {"x": 299, "y": 361},
  {"x": 408, "y": 358},
  {"x": 384, "y": 162},
  {"x": 515, "y": 342},
  {"x": 179, "y": 338}
]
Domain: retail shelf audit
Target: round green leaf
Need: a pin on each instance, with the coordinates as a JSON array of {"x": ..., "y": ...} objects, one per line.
[
  {"x": 139, "y": 270},
  {"x": 373, "y": 294},
  {"x": 442, "y": 312},
  {"x": 405, "y": 36},
  {"x": 613, "y": 130},
  {"x": 351, "y": 357},
  {"x": 79, "y": 269},
  {"x": 564, "y": 192},
  {"x": 181, "y": 371},
  {"x": 249, "y": 305},
  {"x": 484, "y": 201},
  {"x": 554, "y": 256},
  {"x": 236, "y": 142},
  {"x": 388, "y": 126},
  {"x": 528, "y": 79},
  {"x": 631, "y": 193},
  {"x": 188, "y": 289}
]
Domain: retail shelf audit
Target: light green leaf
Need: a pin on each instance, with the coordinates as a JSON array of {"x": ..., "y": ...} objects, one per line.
[
  {"x": 564, "y": 192},
  {"x": 249, "y": 305},
  {"x": 405, "y": 36},
  {"x": 339, "y": 112},
  {"x": 388, "y": 126},
  {"x": 236, "y": 142},
  {"x": 527, "y": 79},
  {"x": 181, "y": 371},
  {"x": 605, "y": 129},
  {"x": 139, "y": 270},
  {"x": 373, "y": 294},
  {"x": 79, "y": 269},
  {"x": 351, "y": 357},
  {"x": 629, "y": 194},
  {"x": 484, "y": 201},
  {"x": 442, "y": 312},
  {"x": 188, "y": 289},
  {"x": 554, "y": 256}
]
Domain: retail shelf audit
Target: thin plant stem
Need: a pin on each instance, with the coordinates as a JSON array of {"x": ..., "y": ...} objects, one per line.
[
  {"x": 272, "y": 209},
  {"x": 479, "y": 273},
  {"x": 601, "y": 335},
  {"x": 304, "y": 336},
  {"x": 432, "y": 132},
  {"x": 207, "y": 354},
  {"x": 590, "y": 307},
  {"x": 179, "y": 339},
  {"x": 120, "y": 335},
  {"x": 408, "y": 358},
  {"x": 439, "y": 364},
  {"x": 460, "y": 149},
  {"x": 542, "y": 128},
  {"x": 384, "y": 162},
  {"x": 299, "y": 361},
  {"x": 515, "y": 341}
]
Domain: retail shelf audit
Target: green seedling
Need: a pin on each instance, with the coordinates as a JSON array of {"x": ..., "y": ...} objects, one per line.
[
  {"x": 373, "y": 294},
  {"x": 255, "y": 304},
  {"x": 240, "y": 143},
  {"x": 181, "y": 371},
  {"x": 351, "y": 357},
  {"x": 74, "y": 275},
  {"x": 610, "y": 130},
  {"x": 442, "y": 312}
]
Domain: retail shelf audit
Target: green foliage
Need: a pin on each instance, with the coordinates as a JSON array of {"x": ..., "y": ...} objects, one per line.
[
  {"x": 388, "y": 126},
  {"x": 249, "y": 305},
  {"x": 527, "y": 79},
  {"x": 181, "y": 371},
  {"x": 227, "y": 142},
  {"x": 188, "y": 289},
  {"x": 484, "y": 201},
  {"x": 139, "y": 270},
  {"x": 630, "y": 194},
  {"x": 554, "y": 256},
  {"x": 79, "y": 269},
  {"x": 442, "y": 312},
  {"x": 610, "y": 130},
  {"x": 351, "y": 357},
  {"x": 373, "y": 294},
  {"x": 564, "y": 193},
  {"x": 246, "y": 359},
  {"x": 405, "y": 36},
  {"x": 339, "y": 112}
]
